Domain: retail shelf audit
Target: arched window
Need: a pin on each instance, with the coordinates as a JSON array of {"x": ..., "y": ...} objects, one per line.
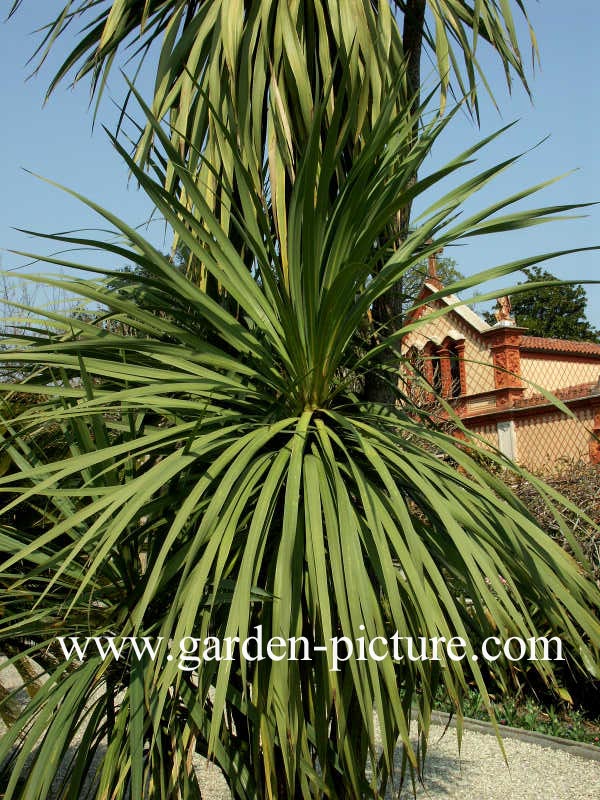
[
  {"x": 455, "y": 377},
  {"x": 451, "y": 368},
  {"x": 443, "y": 367}
]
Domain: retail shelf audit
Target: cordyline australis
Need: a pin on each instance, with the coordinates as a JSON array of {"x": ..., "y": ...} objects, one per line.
[
  {"x": 236, "y": 76},
  {"x": 214, "y": 468}
]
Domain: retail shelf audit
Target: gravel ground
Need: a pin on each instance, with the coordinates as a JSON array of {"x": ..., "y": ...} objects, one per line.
[
  {"x": 480, "y": 773},
  {"x": 534, "y": 772}
]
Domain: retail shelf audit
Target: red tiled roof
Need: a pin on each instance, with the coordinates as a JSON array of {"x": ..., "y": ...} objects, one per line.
[
  {"x": 551, "y": 345},
  {"x": 567, "y": 393}
]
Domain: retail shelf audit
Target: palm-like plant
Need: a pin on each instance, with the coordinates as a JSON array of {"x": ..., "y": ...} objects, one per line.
[
  {"x": 223, "y": 475},
  {"x": 236, "y": 74},
  {"x": 240, "y": 75}
]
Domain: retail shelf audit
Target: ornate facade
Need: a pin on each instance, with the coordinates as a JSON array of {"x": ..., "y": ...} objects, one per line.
[{"x": 505, "y": 384}]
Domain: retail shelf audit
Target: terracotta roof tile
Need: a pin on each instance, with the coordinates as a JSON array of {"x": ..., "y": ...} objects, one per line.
[
  {"x": 567, "y": 393},
  {"x": 552, "y": 345}
]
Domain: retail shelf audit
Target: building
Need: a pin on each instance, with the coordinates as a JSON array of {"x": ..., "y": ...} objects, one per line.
[{"x": 499, "y": 379}]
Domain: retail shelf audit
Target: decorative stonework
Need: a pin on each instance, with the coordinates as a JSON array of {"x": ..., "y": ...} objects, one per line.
[
  {"x": 502, "y": 313},
  {"x": 460, "y": 351},
  {"x": 508, "y": 363},
  {"x": 444, "y": 356},
  {"x": 504, "y": 342},
  {"x": 509, "y": 336}
]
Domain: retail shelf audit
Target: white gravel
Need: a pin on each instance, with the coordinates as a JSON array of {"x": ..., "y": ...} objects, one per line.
[
  {"x": 480, "y": 772},
  {"x": 534, "y": 772}
]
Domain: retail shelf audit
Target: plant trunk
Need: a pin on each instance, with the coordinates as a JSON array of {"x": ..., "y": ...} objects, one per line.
[{"x": 380, "y": 383}]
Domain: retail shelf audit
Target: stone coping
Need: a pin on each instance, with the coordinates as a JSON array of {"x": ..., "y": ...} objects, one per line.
[{"x": 506, "y": 731}]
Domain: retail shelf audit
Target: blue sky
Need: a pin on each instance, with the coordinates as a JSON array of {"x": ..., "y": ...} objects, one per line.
[{"x": 57, "y": 141}]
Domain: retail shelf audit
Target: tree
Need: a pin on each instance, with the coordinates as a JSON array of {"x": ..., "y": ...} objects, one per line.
[
  {"x": 237, "y": 73},
  {"x": 555, "y": 309},
  {"x": 223, "y": 476},
  {"x": 222, "y": 473},
  {"x": 252, "y": 66}
]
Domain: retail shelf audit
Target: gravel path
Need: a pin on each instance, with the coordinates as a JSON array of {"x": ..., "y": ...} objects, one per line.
[
  {"x": 480, "y": 773},
  {"x": 534, "y": 772}
]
